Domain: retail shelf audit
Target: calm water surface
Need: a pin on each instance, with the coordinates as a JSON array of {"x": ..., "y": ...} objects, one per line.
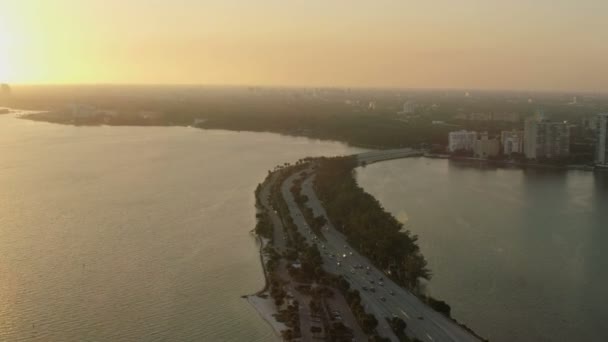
[
  {"x": 520, "y": 255},
  {"x": 133, "y": 234}
]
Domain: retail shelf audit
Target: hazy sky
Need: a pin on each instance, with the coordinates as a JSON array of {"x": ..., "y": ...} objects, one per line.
[{"x": 515, "y": 44}]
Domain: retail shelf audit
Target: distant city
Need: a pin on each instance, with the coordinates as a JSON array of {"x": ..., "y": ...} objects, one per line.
[
  {"x": 524, "y": 128},
  {"x": 540, "y": 140}
]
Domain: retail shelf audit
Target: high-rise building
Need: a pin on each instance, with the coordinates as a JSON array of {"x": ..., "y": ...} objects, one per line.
[
  {"x": 462, "y": 141},
  {"x": 486, "y": 147},
  {"x": 601, "y": 148},
  {"x": 409, "y": 107},
  {"x": 512, "y": 142},
  {"x": 546, "y": 139}
]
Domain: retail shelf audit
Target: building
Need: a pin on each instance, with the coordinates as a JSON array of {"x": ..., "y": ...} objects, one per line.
[
  {"x": 486, "y": 147},
  {"x": 512, "y": 142},
  {"x": 409, "y": 107},
  {"x": 544, "y": 139},
  {"x": 461, "y": 141},
  {"x": 601, "y": 148},
  {"x": 590, "y": 123},
  {"x": 496, "y": 117}
]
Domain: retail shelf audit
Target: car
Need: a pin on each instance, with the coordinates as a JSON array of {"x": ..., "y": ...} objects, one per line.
[
  {"x": 338, "y": 263},
  {"x": 372, "y": 289},
  {"x": 371, "y": 281},
  {"x": 367, "y": 268},
  {"x": 383, "y": 299},
  {"x": 364, "y": 288},
  {"x": 391, "y": 292},
  {"x": 381, "y": 283},
  {"x": 343, "y": 255}
]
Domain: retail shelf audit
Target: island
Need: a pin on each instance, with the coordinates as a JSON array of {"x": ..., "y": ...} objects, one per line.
[{"x": 337, "y": 266}]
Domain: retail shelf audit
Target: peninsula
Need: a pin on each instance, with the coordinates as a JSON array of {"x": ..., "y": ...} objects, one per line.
[{"x": 337, "y": 266}]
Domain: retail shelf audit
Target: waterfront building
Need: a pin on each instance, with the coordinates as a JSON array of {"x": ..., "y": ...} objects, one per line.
[
  {"x": 461, "y": 141},
  {"x": 546, "y": 139},
  {"x": 512, "y": 142},
  {"x": 486, "y": 147},
  {"x": 601, "y": 148}
]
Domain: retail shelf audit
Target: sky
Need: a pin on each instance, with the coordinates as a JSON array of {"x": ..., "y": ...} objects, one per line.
[{"x": 481, "y": 44}]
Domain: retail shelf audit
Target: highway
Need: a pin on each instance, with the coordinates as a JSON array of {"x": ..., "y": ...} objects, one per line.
[
  {"x": 387, "y": 299},
  {"x": 382, "y": 155},
  {"x": 279, "y": 238}
]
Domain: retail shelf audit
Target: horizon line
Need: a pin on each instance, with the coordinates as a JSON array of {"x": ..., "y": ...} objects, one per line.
[{"x": 277, "y": 86}]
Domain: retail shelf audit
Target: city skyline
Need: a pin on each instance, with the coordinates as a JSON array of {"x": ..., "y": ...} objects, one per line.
[{"x": 393, "y": 44}]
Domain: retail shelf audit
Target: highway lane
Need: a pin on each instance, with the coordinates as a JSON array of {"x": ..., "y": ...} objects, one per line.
[
  {"x": 423, "y": 322},
  {"x": 279, "y": 243},
  {"x": 304, "y": 229}
]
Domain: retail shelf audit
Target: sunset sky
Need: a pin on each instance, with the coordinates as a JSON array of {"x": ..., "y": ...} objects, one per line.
[{"x": 517, "y": 44}]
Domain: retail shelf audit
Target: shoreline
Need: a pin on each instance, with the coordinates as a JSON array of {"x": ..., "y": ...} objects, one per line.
[
  {"x": 261, "y": 300},
  {"x": 509, "y": 164}
]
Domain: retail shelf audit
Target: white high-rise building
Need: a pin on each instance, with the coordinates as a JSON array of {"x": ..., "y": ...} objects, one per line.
[
  {"x": 462, "y": 141},
  {"x": 546, "y": 139},
  {"x": 601, "y": 148},
  {"x": 512, "y": 142},
  {"x": 409, "y": 107},
  {"x": 486, "y": 147}
]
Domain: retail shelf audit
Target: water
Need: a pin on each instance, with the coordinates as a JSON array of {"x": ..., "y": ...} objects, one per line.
[
  {"x": 133, "y": 233},
  {"x": 520, "y": 255}
]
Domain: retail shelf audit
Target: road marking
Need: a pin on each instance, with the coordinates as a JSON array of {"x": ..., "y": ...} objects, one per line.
[
  {"x": 429, "y": 336},
  {"x": 405, "y": 313}
]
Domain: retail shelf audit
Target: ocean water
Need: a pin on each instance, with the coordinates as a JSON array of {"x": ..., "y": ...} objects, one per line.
[
  {"x": 133, "y": 233},
  {"x": 521, "y": 255}
]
